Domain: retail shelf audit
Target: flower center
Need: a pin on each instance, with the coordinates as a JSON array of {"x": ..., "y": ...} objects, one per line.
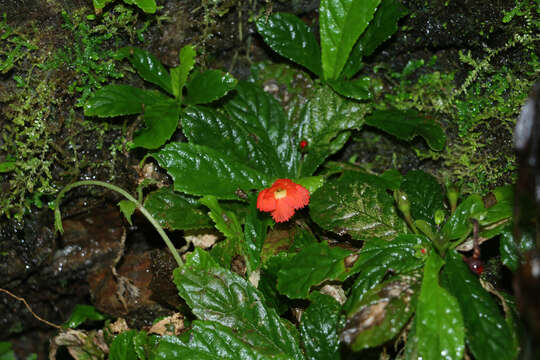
[{"x": 280, "y": 193}]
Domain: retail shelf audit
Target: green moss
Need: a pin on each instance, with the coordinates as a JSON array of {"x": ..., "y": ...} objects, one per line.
[
  {"x": 480, "y": 114},
  {"x": 44, "y": 143}
]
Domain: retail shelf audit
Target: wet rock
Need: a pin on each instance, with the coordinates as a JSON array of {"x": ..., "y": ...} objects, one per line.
[{"x": 143, "y": 282}]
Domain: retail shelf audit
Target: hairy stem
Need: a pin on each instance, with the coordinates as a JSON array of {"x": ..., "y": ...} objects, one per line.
[{"x": 142, "y": 209}]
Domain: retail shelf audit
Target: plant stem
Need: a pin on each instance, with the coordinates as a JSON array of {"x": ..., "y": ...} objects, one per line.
[{"x": 142, "y": 209}]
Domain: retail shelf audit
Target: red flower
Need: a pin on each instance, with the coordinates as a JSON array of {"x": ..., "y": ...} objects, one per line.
[
  {"x": 282, "y": 198},
  {"x": 303, "y": 144}
]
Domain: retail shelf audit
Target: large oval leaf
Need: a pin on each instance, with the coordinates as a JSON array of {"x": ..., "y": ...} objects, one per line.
[
  {"x": 292, "y": 38},
  {"x": 319, "y": 328},
  {"x": 424, "y": 193},
  {"x": 150, "y": 68},
  {"x": 314, "y": 264},
  {"x": 382, "y": 312},
  {"x": 176, "y": 211},
  {"x": 342, "y": 22},
  {"x": 216, "y": 294},
  {"x": 488, "y": 334},
  {"x": 199, "y": 170},
  {"x": 116, "y": 100},
  {"x": 161, "y": 121},
  {"x": 208, "y": 86},
  {"x": 439, "y": 322},
  {"x": 209, "y": 340},
  {"x": 351, "y": 206},
  {"x": 405, "y": 125}
]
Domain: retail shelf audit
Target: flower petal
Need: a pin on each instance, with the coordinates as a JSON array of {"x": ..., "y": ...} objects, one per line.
[
  {"x": 283, "y": 212},
  {"x": 266, "y": 200}
]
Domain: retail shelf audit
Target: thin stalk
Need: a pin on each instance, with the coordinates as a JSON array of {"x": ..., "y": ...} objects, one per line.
[{"x": 142, "y": 209}]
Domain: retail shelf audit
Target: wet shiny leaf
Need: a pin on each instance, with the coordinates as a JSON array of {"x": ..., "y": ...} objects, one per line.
[
  {"x": 488, "y": 334},
  {"x": 161, "y": 120},
  {"x": 175, "y": 211},
  {"x": 439, "y": 322},
  {"x": 424, "y": 194},
  {"x": 341, "y": 23},
  {"x": 210, "y": 340},
  {"x": 208, "y": 86},
  {"x": 405, "y": 125},
  {"x": 380, "y": 29},
  {"x": 459, "y": 224},
  {"x": 199, "y": 170},
  {"x": 382, "y": 312},
  {"x": 319, "y": 328},
  {"x": 81, "y": 314},
  {"x": 325, "y": 122},
  {"x": 115, "y": 100},
  {"x": 150, "y": 68},
  {"x": 357, "y": 208},
  {"x": 314, "y": 264},
  {"x": 216, "y": 294},
  {"x": 292, "y": 38},
  {"x": 379, "y": 256}
]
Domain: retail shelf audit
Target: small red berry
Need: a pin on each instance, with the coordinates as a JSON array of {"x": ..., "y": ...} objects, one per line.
[
  {"x": 303, "y": 144},
  {"x": 475, "y": 265},
  {"x": 423, "y": 250}
]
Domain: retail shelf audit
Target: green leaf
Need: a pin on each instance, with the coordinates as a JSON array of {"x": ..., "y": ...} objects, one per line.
[
  {"x": 7, "y": 166},
  {"x": 379, "y": 256},
  {"x": 200, "y": 259},
  {"x": 439, "y": 322},
  {"x": 382, "y": 312},
  {"x": 380, "y": 29},
  {"x": 148, "y": 6},
  {"x": 488, "y": 334},
  {"x": 292, "y": 38},
  {"x": 511, "y": 252},
  {"x": 225, "y": 221},
  {"x": 342, "y": 22},
  {"x": 150, "y": 69},
  {"x": 359, "y": 89},
  {"x": 176, "y": 211},
  {"x": 6, "y": 353},
  {"x": 267, "y": 124},
  {"x": 127, "y": 208},
  {"x": 205, "y": 126},
  {"x": 161, "y": 121},
  {"x": 459, "y": 224},
  {"x": 393, "y": 179},
  {"x": 311, "y": 266},
  {"x": 122, "y": 346},
  {"x": 99, "y": 4},
  {"x": 208, "y": 86},
  {"x": 318, "y": 328},
  {"x": 210, "y": 340},
  {"x": 255, "y": 230},
  {"x": 198, "y": 170},
  {"x": 116, "y": 100},
  {"x": 81, "y": 314},
  {"x": 424, "y": 194},
  {"x": 325, "y": 122},
  {"x": 216, "y": 294},
  {"x": 179, "y": 74},
  {"x": 312, "y": 183},
  {"x": 405, "y": 125},
  {"x": 350, "y": 206}
]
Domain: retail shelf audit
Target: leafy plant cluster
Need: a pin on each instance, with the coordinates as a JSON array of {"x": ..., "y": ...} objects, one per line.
[{"x": 372, "y": 264}]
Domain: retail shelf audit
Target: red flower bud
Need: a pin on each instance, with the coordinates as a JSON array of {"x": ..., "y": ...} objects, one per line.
[{"x": 303, "y": 144}]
